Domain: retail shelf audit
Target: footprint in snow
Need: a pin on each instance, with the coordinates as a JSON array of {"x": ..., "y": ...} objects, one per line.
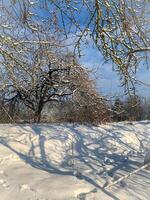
[
  {"x": 1, "y": 172},
  {"x": 4, "y": 183},
  {"x": 24, "y": 187}
]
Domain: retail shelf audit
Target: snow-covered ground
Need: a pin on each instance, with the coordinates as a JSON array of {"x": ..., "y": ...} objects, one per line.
[{"x": 71, "y": 161}]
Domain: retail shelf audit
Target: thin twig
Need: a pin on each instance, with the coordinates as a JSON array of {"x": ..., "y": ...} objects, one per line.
[{"x": 128, "y": 175}]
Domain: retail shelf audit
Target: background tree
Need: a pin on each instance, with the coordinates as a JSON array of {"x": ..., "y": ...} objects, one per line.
[
  {"x": 134, "y": 108},
  {"x": 146, "y": 108},
  {"x": 130, "y": 109},
  {"x": 118, "y": 110},
  {"x": 87, "y": 105}
]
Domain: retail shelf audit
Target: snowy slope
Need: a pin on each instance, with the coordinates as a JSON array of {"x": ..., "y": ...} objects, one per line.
[{"x": 71, "y": 161}]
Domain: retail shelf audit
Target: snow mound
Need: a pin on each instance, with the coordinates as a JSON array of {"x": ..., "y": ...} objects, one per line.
[{"x": 71, "y": 161}]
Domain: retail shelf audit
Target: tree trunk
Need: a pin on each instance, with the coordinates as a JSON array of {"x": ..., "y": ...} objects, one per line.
[
  {"x": 12, "y": 106},
  {"x": 37, "y": 115}
]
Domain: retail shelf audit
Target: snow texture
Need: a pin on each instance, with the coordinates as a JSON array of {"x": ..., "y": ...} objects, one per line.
[{"x": 71, "y": 161}]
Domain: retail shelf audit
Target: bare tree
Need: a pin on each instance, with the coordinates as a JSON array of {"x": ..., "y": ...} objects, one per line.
[
  {"x": 119, "y": 29},
  {"x": 36, "y": 65},
  {"x": 31, "y": 41},
  {"x": 87, "y": 105},
  {"x": 46, "y": 78}
]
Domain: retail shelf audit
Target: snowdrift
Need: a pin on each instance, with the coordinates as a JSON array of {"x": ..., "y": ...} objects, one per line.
[{"x": 71, "y": 161}]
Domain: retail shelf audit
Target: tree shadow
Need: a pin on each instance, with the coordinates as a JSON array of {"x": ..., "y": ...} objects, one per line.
[
  {"x": 88, "y": 150},
  {"x": 44, "y": 165}
]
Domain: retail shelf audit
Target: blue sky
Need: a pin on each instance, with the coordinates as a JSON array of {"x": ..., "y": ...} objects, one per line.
[{"x": 107, "y": 81}]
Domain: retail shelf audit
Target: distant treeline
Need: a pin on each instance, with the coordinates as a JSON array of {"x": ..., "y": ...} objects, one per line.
[{"x": 134, "y": 108}]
